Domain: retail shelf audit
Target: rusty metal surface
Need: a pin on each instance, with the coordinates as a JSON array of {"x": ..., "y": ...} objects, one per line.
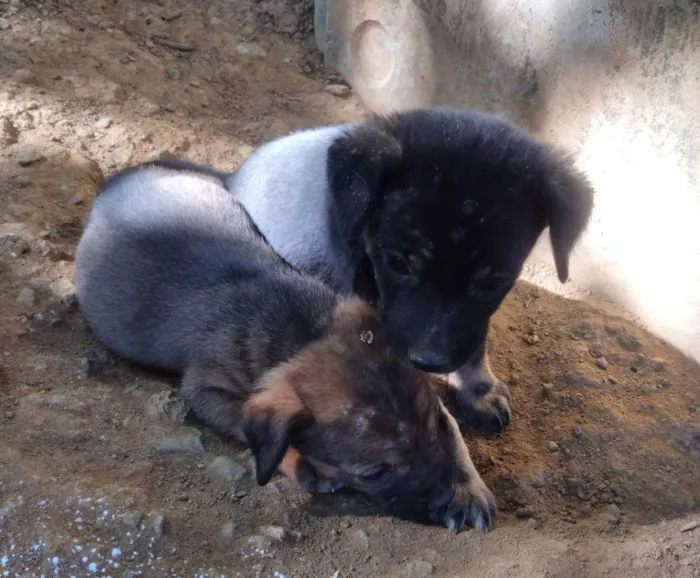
[{"x": 617, "y": 82}]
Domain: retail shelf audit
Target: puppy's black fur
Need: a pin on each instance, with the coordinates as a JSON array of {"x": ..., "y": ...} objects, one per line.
[
  {"x": 172, "y": 273},
  {"x": 447, "y": 204}
]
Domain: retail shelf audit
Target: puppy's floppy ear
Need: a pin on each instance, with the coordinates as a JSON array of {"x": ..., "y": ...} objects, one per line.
[
  {"x": 271, "y": 420},
  {"x": 356, "y": 165},
  {"x": 568, "y": 198}
]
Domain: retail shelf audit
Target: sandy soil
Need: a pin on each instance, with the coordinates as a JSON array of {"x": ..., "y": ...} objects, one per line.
[{"x": 101, "y": 471}]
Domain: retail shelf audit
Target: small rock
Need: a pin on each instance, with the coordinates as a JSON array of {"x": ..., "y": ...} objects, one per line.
[
  {"x": 9, "y": 414},
  {"x": 576, "y": 432},
  {"x": 103, "y": 123},
  {"x": 39, "y": 284},
  {"x": 628, "y": 341},
  {"x": 586, "y": 510},
  {"x": 227, "y": 469},
  {"x": 250, "y": 49},
  {"x": 4, "y": 515},
  {"x": 417, "y": 569},
  {"x": 8, "y": 133},
  {"x": 170, "y": 106},
  {"x": 189, "y": 442},
  {"x": 131, "y": 574},
  {"x": 613, "y": 380},
  {"x": 229, "y": 529},
  {"x": 28, "y": 156},
  {"x": 26, "y": 299},
  {"x": 524, "y": 513},
  {"x": 534, "y": 523},
  {"x": 22, "y": 181},
  {"x": 602, "y": 362},
  {"x": 553, "y": 447},
  {"x": 158, "y": 525},
  {"x": 162, "y": 155},
  {"x": 583, "y": 330},
  {"x": 595, "y": 350},
  {"x": 572, "y": 485},
  {"x": 613, "y": 515},
  {"x": 94, "y": 362},
  {"x": 547, "y": 389},
  {"x": 149, "y": 108},
  {"x": 689, "y": 527},
  {"x": 63, "y": 290},
  {"x": 172, "y": 73},
  {"x": 131, "y": 519},
  {"x": 275, "y": 533},
  {"x": 359, "y": 539},
  {"x": 532, "y": 339},
  {"x": 14, "y": 239},
  {"x": 339, "y": 90},
  {"x": 538, "y": 480},
  {"x": 165, "y": 404},
  {"x": 4, "y": 24},
  {"x": 658, "y": 364}
]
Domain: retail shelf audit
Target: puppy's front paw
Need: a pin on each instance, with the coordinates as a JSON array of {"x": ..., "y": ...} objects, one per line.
[
  {"x": 484, "y": 405},
  {"x": 474, "y": 506}
]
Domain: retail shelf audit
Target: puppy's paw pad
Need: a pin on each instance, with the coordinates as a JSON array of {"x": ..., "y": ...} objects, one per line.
[
  {"x": 482, "y": 509},
  {"x": 488, "y": 412}
]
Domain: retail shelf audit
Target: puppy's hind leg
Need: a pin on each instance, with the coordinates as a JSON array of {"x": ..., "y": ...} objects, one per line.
[
  {"x": 215, "y": 399},
  {"x": 479, "y": 399}
]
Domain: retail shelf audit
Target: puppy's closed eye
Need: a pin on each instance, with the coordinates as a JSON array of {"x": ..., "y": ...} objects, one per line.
[{"x": 377, "y": 476}]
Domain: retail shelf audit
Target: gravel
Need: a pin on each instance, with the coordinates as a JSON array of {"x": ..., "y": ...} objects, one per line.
[
  {"x": 28, "y": 156},
  {"x": 227, "y": 469}
]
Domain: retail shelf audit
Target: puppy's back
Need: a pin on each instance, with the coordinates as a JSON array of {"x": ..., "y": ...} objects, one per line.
[
  {"x": 163, "y": 252},
  {"x": 284, "y": 188}
]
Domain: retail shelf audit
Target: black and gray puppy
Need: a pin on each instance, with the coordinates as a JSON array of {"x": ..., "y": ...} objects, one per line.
[
  {"x": 430, "y": 212},
  {"x": 172, "y": 274}
]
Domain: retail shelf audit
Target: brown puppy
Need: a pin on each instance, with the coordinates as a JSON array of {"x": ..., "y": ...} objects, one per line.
[
  {"x": 172, "y": 273},
  {"x": 344, "y": 412}
]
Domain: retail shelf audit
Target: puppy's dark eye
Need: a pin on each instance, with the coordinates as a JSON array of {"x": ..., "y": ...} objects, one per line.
[
  {"x": 397, "y": 263},
  {"x": 376, "y": 476}
]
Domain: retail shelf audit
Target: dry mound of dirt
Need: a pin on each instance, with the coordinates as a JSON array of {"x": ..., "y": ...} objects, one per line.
[{"x": 102, "y": 474}]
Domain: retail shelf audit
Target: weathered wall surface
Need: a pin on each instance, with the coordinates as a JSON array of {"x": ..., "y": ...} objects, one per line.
[{"x": 617, "y": 82}]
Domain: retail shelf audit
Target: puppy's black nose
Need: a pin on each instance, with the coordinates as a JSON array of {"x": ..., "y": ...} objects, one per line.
[{"x": 429, "y": 361}]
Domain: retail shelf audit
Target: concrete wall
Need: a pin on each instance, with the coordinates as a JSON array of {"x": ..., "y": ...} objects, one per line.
[{"x": 617, "y": 82}]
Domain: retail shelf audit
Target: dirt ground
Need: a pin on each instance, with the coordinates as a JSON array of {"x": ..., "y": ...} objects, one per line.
[{"x": 101, "y": 472}]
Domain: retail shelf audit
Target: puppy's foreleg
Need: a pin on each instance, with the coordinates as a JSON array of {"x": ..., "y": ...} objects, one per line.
[
  {"x": 480, "y": 508},
  {"x": 215, "y": 399},
  {"x": 480, "y": 400}
]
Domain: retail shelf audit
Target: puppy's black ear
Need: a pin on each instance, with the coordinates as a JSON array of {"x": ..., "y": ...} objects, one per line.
[
  {"x": 271, "y": 420},
  {"x": 356, "y": 165},
  {"x": 568, "y": 198}
]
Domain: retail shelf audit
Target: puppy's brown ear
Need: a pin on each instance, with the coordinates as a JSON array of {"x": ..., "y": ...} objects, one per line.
[
  {"x": 568, "y": 205},
  {"x": 356, "y": 165},
  {"x": 271, "y": 420}
]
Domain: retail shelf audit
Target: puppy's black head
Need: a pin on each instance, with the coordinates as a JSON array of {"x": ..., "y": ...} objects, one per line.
[{"x": 448, "y": 204}]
